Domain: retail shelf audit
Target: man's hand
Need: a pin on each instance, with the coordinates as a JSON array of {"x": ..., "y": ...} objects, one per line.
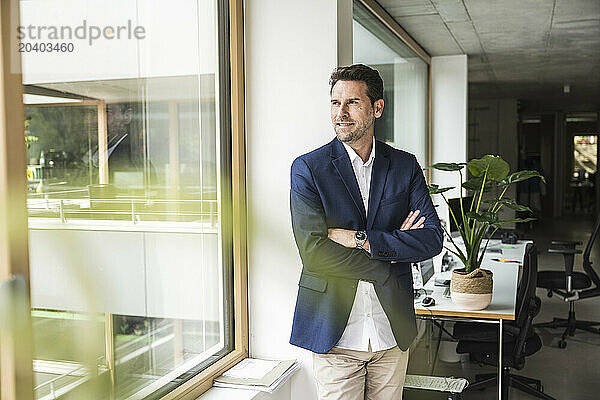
[
  {"x": 409, "y": 222},
  {"x": 345, "y": 237}
]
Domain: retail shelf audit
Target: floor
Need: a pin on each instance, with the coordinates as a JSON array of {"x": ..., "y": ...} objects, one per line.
[{"x": 570, "y": 373}]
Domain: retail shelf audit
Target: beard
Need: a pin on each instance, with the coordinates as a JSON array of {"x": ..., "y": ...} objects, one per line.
[{"x": 353, "y": 133}]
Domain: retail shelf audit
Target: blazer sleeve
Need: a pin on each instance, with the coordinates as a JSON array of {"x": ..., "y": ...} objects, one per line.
[
  {"x": 411, "y": 245},
  {"x": 320, "y": 254}
]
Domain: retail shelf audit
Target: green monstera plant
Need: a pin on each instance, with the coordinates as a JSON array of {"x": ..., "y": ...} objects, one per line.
[{"x": 490, "y": 174}]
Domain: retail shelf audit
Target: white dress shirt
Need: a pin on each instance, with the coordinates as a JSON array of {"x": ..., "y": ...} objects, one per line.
[{"x": 367, "y": 323}]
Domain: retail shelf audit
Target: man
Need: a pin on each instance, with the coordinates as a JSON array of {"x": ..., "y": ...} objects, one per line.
[
  {"x": 126, "y": 148},
  {"x": 354, "y": 205}
]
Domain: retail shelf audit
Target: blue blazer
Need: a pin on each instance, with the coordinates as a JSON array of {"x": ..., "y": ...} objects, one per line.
[{"x": 324, "y": 194}]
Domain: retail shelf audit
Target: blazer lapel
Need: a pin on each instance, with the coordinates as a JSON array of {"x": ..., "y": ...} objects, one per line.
[
  {"x": 378, "y": 176},
  {"x": 341, "y": 162}
]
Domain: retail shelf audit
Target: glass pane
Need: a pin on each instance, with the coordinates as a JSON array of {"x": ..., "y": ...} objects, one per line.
[
  {"x": 405, "y": 79},
  {"x": 582, "y": 185},
  {"x": 126, "y": 187},
  {"x": 585, "y": 149}
]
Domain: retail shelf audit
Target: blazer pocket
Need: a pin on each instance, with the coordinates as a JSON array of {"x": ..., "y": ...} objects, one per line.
[
  {"x": 402, "y": 196},
  {"x": 313, "y": 282}
]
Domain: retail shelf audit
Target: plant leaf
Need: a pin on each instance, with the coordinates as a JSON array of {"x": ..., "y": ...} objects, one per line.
[
  {"x": 510, "y": 221},
  {"x": 513, "y": 205},
  {"x": 497, "y": 169},
  {"x": 475, "y": 184},
  {"x": 485, "y": 217},
  {"x": 436, "y": 189},
  {"x": 446, "y": 166},
  {"x": 521, "y": 176}
]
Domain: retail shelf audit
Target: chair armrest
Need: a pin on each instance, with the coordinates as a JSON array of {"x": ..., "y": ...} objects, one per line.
[
  {"x": 567, "y": 243},
  {"x": 565, "y": 251},
  {"x": 569, "y": 256}
]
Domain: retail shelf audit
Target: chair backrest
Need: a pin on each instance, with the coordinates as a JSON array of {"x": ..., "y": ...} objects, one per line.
[
  {"x": 528, "y": 305},
  {"x": 587, "y": 263},
  {"x": 527, "y": 284}
]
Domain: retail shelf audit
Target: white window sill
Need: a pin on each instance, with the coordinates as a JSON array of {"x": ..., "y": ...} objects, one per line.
[{"x": 217, "y": 393}]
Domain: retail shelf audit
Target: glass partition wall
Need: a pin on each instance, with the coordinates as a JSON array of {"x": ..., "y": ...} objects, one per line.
[
  {"x": 404, "y": 123},
  {"x": 129, "y": 191}
]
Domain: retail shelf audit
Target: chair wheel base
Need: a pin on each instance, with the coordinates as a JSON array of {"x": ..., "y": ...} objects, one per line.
[{"x": 562, "y": 344}]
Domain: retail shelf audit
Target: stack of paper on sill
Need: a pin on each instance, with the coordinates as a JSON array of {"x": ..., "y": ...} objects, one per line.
[{"x": 255, "y": 374}]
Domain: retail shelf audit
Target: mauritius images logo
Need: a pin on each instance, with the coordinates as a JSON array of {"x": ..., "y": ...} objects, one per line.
[{"x": 84, "y": 31}]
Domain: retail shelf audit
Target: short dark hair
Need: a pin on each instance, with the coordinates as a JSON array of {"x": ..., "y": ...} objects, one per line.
[{"x": 362, "y": 73}]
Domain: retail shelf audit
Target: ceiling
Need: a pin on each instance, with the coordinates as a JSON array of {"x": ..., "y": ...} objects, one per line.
[{"x": 524, "y": 49}]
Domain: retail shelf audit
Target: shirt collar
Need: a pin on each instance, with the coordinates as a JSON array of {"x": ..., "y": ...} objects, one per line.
[{"x": 354, "y": 157}]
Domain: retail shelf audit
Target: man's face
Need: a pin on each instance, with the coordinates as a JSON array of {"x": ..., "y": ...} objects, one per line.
[
  {"x": 117, "y": 119},
  {"x": 352, "y": 114}
]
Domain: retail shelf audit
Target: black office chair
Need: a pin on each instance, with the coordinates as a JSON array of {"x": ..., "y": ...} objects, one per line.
[
  {"x": 572, "y": 286},
  {"x": 518, "y": 338}
]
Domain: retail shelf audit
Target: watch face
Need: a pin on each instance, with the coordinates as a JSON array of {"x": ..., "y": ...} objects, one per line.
[{"x": 360, "y": 235}]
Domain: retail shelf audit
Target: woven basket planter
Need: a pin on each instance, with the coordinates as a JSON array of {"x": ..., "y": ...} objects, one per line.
[{"x": 472, "y": 291}]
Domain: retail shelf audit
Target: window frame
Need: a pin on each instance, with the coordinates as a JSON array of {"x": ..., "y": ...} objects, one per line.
[
  {"x": 16, "y": 379},
  {"x": 194, "y": 387},
  {"x": 385, "y": 18},
  {"x": 16, "y": 361}
]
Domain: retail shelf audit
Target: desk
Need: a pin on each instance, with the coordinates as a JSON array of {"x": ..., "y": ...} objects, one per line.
[{"x": 504, "y": 296}]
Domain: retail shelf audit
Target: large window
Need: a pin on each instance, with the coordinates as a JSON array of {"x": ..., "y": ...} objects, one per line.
[
  {"x": 404, "y": 123},
  {"x": 129, "y": 170}
]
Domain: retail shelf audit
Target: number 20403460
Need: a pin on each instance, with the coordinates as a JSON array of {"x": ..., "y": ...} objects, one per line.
[{"x": 46, "y": 47}]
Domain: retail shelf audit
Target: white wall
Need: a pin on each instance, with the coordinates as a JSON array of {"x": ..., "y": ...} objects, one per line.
[
  {"x": 291, "y": 49},
  {"x": 449, "y": 120}
]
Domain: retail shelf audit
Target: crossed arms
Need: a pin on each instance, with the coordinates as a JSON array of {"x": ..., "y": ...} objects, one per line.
[
  {"x": 330, "y": 252},
  {"x": 345, "y": 237}
]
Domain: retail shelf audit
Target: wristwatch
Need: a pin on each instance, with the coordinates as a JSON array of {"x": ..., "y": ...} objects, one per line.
[{"x": 360, "y": 237}]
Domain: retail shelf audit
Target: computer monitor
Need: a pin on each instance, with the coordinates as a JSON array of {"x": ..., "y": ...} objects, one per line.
[
  {"x": 455, "y": 207},
  {"x": 422, "y": 272}
]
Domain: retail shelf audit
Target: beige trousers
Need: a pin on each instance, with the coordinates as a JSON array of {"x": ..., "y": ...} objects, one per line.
[{"x": 358, "y": 375}]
